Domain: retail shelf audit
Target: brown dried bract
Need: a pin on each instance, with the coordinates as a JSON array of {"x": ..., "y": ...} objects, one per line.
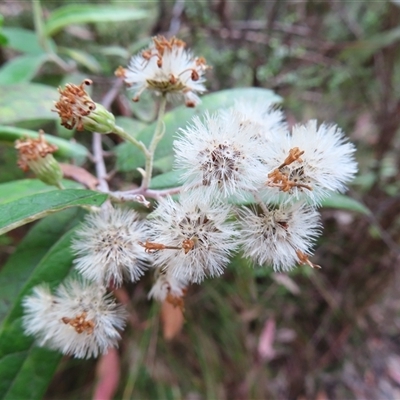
[
  {"x": 294, "y": 155},
  {"x": 303, "y": 258},
  {"x": 80, "y": 323},
  {"x": 31, "y": 149},
  {"x": 120, "y": 72},
  {"x": 74, "y": 104},
  {"x": 161, "y": 43},
  {"x": 187, "y": 245},
  {"x": 280, "y": 179},
  {"x": 152, "y": 247}
]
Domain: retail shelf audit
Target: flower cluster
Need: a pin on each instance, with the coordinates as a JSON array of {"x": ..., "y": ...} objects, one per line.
[{"x": 249, "y": 185}]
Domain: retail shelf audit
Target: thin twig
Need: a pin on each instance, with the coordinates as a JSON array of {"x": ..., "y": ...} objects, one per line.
[{"x": 134, "y": 195}]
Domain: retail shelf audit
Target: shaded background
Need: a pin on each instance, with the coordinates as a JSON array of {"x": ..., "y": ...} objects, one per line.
[{"x": 254, "y": 334}]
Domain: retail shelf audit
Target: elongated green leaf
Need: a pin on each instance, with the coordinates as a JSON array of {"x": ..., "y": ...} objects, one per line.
[
  {"x": 3, "y": 38},
  {"x": 344, "y": 202},
  {"x": 21, "y": 69},
  {"x": 29, "y": 252},
  {"x": 27, "y": 209},
  {"x": 26, "y": 370},
  {"x": 82, "y": 58},
  {"x": 11, "y": 191},
  {"x": 24, "y": 40},
  {"x": 27, "y": 102},
  {"x": 129, "y": 157},
  {"x": 66, "y": 149},
  {"x": 83, "y": 13}
]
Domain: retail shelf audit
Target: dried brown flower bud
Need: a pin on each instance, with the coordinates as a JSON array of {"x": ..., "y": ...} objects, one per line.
[
  {"x": 77, "y": 110},
  {"x": 36, "y": 154}
]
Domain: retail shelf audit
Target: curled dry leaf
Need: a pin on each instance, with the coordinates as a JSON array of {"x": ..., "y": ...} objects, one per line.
[
  {"x": 80, "y": 175},
  {"x": 267, "y": 338},
  {"x": 172, "y": 320}
]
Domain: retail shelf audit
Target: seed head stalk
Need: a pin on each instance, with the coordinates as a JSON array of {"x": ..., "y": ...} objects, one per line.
[{"x": 157, "y": 136}]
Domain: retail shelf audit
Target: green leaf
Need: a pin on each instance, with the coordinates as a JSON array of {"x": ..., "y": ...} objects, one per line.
[
  {"x": 165, "y": 181},
  {"x": 27, "y": 209},
  {"x": 29, "y": 252},
  {"x": 82, "y": 13},
  {"x": 27, "y": 102},
  {"x": 129, "y": 157},
  {"x": 43, "y": 256},
  {"x": 81, "y": 57},
  {"x": 66, "y": 149},
  {"x": 21, "y": 69},
  {"x": 343, "y": 202},
  {"x": 11, "y": 191},
  {"x": 24, "y": 40}
]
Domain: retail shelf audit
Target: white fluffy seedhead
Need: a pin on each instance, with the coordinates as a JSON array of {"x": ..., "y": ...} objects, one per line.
[
  {"x": 266, "y": 120},
  {"x": 81, "y": 320},
  {"x": 275, "y": 237},
  {"x": 220, "y": 156},
  {"x": 166, "y": 285},
  {"x": 203, "y": 227},
  {"x": 326, "y": 164},
  {"x": 167, "y": 68},
  {"x": 107, "y": 247}
]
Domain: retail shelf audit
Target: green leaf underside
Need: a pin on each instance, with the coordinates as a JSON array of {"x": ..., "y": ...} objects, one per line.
[
  {"x": 27, "y": 209},
  {"x": 129, "y": 157},
  {"x": 82, "y": 58},
  {"x": 11, "y": 191},
  {"x": 343, "y": 202},
  {"x": 82, "y": 13},
  {"x": 43, "y": 256},
  {"x": 66, "y": 149},
  {"x": 27, "y": 102},
  {"x": 21, "y": 69},
  {"x": 23, "y": 40}
]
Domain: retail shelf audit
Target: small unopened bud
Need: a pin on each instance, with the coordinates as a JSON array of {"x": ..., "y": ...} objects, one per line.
[
  {"x": 36, "y": 155},
  {"x": 77, "y": 110},
  {"x": 100, "y": 120}
]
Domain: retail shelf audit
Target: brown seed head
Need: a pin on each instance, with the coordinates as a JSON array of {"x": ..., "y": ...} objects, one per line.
[{"x": 74, "y": 104}]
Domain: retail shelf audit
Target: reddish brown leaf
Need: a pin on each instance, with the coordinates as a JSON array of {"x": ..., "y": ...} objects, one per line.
[
  {"x": 107, "y": 373},
  {"x": 80, "y": 175},
  {"x": 265, "y": 343},
  {"x": 172, "y": 320}
]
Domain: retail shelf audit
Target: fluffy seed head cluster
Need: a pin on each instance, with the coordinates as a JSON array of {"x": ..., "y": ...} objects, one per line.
[
  {"x": 224, "y": 158},
  {"x": 276, "y": 236},
  {"x": 80, "y": 319},
  {"x": 198, "y": 234},
  {"x": 37, "y": 155},
  {"x": 167, "y": 68},
  {"x": 312, "y": 162},
  {"x": 107, "y": 247},
  {"x": 220, "y": 156}
]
